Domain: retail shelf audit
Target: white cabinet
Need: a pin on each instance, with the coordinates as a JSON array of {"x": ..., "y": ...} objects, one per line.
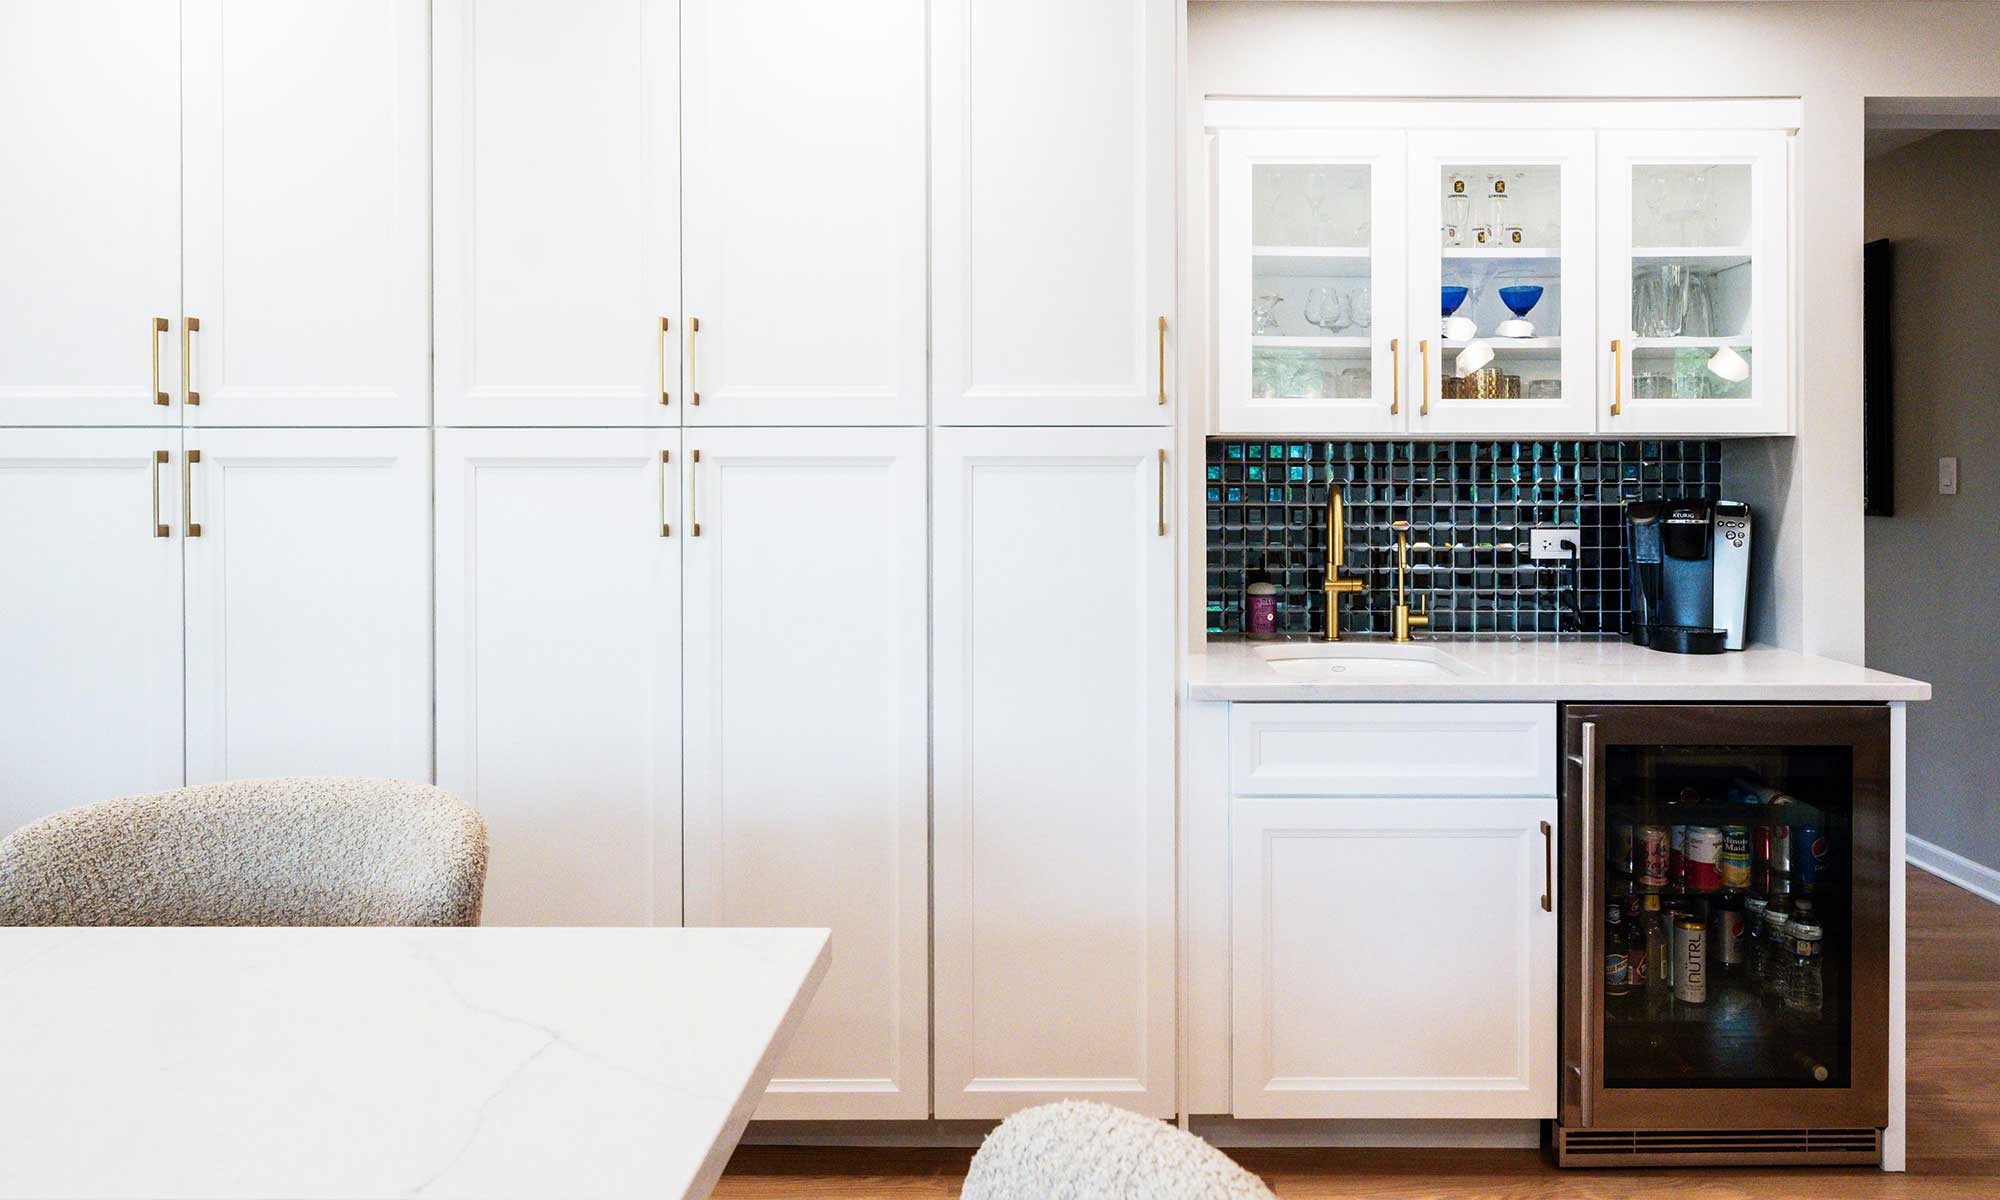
[
  {"x": 308, "y": 602},
  {"x": 557, "y": 168},
  {"x": 1696, "y": 276},
  {"x": 805, "y": 230},
  {"x": 90, "y": 216},
  {"x": 1393, "y": 957},
  {"x": 1052, "y": 211},
  {"x": 806, "y": 738},
  {"x": 558, "y": 667},
  {"x": 306, "y": 169},
  {"x": 1054, "y": 856},
  {"x": 90, "y": 618},
  {"x": 1312, "y": 328}
]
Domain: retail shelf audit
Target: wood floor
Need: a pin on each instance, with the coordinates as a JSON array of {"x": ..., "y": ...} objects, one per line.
[{"x": 1954, "y": 1119}]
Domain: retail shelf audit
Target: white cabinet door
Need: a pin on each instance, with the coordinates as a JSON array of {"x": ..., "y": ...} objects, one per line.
[
  {"x": 306, "y": 176},
  {"x": 1053, "y": 211},
  {"x": 1313, "y": 331},
  {"x": 558, "y": 212},
  {"x": 1503, "y": 231},
  {"x": 90, "y": 618},
  {"x": 90, "y": 213},
  {"x": 805, "y": 725},
  {"x": 308, "y": 603},
  {"x": 1393, "y": 958},
  {"x": 805, "y": 212},
  {"x": 1695, "y": 275},
  {"x": 1055, "y": 769},
  {"x": 558, "y": 667}
]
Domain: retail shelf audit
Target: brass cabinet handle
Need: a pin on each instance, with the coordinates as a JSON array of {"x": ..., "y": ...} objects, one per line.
[
  {"x": 1617, "y": 377},
  {"x": 1424, "y": 348},
  {"x": 1395, "y": 376},
  {"x": 160, "y": 459},
  {"x": 694, "y": 393},
  {"x": 1163, "y": 493},
  {"x": 159, "y": 327},
  {"x": 694, "y": 493},
  {"x": 666, "y": 456},
  {"x": 1163, "y": 360},
  {"x": 1548, "y": 867},
  {"x": 667, "y": 397},
  {"x": 193, "y": 526},
  {"x": 189, "y": 327}
]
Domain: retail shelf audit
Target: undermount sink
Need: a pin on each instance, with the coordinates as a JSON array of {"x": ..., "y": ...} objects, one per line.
[{"x": 1335, "y": 663}]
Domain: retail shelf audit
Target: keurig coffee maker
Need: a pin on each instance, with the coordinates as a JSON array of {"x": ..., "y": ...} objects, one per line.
[{"x": 1690, "y": 574}]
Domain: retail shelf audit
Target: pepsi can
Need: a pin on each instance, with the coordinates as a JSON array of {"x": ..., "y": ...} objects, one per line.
[{"x": 1812, "y": 855}]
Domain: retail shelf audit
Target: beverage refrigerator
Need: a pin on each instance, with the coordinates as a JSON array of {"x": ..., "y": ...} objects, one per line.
[{"x": 1725, "y": 934}]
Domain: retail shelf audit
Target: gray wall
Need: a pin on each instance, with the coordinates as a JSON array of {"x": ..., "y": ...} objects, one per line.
[{"x": 1933, "y": 584}]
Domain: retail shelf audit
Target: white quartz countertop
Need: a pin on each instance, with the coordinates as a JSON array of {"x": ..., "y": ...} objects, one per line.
[
  {"x": 388, "y": 1062},
  {"x": 1534, "y": 669}
]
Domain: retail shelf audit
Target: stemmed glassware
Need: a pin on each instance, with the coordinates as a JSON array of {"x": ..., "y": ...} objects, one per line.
[
  {"x": 1264, "y": 316},
  {"x": 1329, "y": 309}
]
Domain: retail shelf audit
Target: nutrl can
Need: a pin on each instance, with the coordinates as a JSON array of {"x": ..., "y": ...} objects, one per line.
[
  {"x": 1735, "y": 861},
  {"x": 1704, "y": 858},
  {"x": 1812, "y": 855},
  {"x": 1690, "y": 960},
  {"x": 1649, "y": 851}
]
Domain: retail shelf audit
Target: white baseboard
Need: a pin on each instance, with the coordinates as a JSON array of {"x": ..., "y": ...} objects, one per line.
[{"x": 1978, "y": 878}]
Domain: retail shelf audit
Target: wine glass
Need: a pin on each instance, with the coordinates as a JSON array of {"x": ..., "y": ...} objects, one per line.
[
  {"x": 1319, "y": 222},
  {"x": 1327, "y": 308},
  {"x": 1361, "y": 309},
  {"x": 1264, "y": 314}
]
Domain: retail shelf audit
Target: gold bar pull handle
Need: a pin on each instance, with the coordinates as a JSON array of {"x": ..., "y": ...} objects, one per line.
[
  {"x": 189, "y": 327},
  {"x": 1548, "y": 867},
  {"x": 694, "y": 393},
  {"x": 1163, "y": 360},
  {"x": 666, "y": 397},
  {"x": 666, "y": 456},
  {"x": 1395, "y": 376},
  {"x": 1617, "y": 377},
  {"x": 1424, "y": 349},
  {"x": 159, "y": 327},
  {"x": 1163, "y": 493},
  {"x": 160, "y": 459},
  {"x": 694, "y": 493},
  {"x": 193, "y": 527}
]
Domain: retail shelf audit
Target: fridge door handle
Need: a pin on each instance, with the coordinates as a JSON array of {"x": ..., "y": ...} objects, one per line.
[{"x": 1591, "y": 959}]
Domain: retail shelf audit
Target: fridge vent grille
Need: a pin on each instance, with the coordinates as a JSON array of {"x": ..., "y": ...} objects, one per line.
[{"x": 1610, "y": 1146}]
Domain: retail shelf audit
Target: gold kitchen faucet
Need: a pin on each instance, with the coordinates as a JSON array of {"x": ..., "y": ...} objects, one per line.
[
  {"x": 1405, "y": 619},
  {"x": 1336, "y": 555}
]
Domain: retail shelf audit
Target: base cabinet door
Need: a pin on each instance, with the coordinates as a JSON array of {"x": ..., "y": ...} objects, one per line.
[
  {"x": 806, "y": 738},
  {"x": 90, "y": 618},
  {"x": 558, "y": 667},
  {"x": 1393, "y": 958},
  {"x": 1054, "y": 769},
  {"x": 308, "y": 602}
]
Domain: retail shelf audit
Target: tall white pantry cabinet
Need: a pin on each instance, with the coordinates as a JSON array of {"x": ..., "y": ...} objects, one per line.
[{"x": 666, "y": 437}]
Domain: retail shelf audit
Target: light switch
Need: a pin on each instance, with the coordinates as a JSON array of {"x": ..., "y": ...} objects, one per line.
[{"x": 1947, "y": 477}]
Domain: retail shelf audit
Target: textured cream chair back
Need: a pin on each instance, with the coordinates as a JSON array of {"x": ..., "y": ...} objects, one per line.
[
  {"x": 252, "y": 852},
  {"x": 1088, "y": 1151}
]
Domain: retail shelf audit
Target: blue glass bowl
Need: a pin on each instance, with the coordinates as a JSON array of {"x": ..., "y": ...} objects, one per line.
[
  {"x": 1519, "y": 300},
  {"x": 1453, "y": 297}
]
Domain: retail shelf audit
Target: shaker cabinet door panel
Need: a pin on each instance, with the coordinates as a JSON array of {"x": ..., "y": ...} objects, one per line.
[
  {"x": 557, "y": 167},
  {"x": 805, "y": 212},
  {"x": 90, "y": 213},
  {"x": 308, "y": 597},
  {"x": 1053, "y": 212},
  {"x": 1054, "y": 602},
  {"x": 558, "y": 667},
  {"x": 90, "y": 618},
  {"x": 806, "y": 738},
  {"x": 306, "y": 172},
  {"x": 1393, "y": 958}
]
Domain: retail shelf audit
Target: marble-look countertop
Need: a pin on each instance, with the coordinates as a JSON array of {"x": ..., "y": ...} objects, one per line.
[
  {"x": 355, "y": 1063},
  {"x": 1567, "y": 668}
]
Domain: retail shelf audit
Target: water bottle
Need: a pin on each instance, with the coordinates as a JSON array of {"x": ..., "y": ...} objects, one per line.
[
  {"x": 1775, "y": 960},
  {"x": 1805, "y": 990}
]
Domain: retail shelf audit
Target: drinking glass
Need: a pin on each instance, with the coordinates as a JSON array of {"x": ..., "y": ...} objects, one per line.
[
  {"x": 1326, "y": 308},
  {"x": 1264, "y": 314},
  {"x": 1457, "y": 210},
  {"x": 1701, "y": 306},
  {"x": 1660, "y": 300},
  {"x": 1360, "y": 309},
  {"x": 1319, "y": 219}
]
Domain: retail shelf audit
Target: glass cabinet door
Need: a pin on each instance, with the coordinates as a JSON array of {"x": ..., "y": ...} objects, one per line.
[
  {"x": 1310, "y": 258},
  {"x": 1694, "y": 278},
  {"x": 1501, "y": 285}
]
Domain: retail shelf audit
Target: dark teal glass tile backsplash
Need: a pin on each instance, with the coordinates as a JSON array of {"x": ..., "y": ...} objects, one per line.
[{"x": 1474, "y": 503}]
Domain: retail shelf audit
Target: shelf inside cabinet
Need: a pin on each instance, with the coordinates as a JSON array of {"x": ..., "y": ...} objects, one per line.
[
  {"x": 1696, "y": 258},
  {"x": 1501, "y": 252},
  {"x": 1288, "y": 342},
  {"x": 1334, "y": 262},
  {"x": 1503, "y": 344},
  {"x": 1688, "y": 343}
]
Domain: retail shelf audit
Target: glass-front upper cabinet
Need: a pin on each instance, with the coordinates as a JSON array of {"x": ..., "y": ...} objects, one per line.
[
  {"x": 1501, "y": 281},
  {"x": 1694, "y": 275},
  {"x": 1310, "y": 254}
]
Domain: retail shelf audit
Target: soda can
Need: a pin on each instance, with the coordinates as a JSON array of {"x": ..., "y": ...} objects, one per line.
[
  {"x": 1728, "y": 929},
  {"x": 1704, "y": 858},
  {"x": 1649, "y": 851},
  {"x": 1781, "y": 849},
  {"x": 1677, "y": 864},
  {"x": 1690, "y": 960},
  {"x": 1812, "y": 855},
  {"x": 1734, "y": 864},
  {"x": 1760, "y": 850},
  {"x": 1622, "y": 839}
]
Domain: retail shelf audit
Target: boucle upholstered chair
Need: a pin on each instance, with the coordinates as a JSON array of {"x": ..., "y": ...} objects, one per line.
[
  {"x": 253, "y": 852},
  {"x": 1077, "y": 1150}
]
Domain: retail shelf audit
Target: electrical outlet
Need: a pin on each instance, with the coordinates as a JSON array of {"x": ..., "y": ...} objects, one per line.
[
  {"x": 1553, "y": 544},
  {"x": 1947, "y": 477}
]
